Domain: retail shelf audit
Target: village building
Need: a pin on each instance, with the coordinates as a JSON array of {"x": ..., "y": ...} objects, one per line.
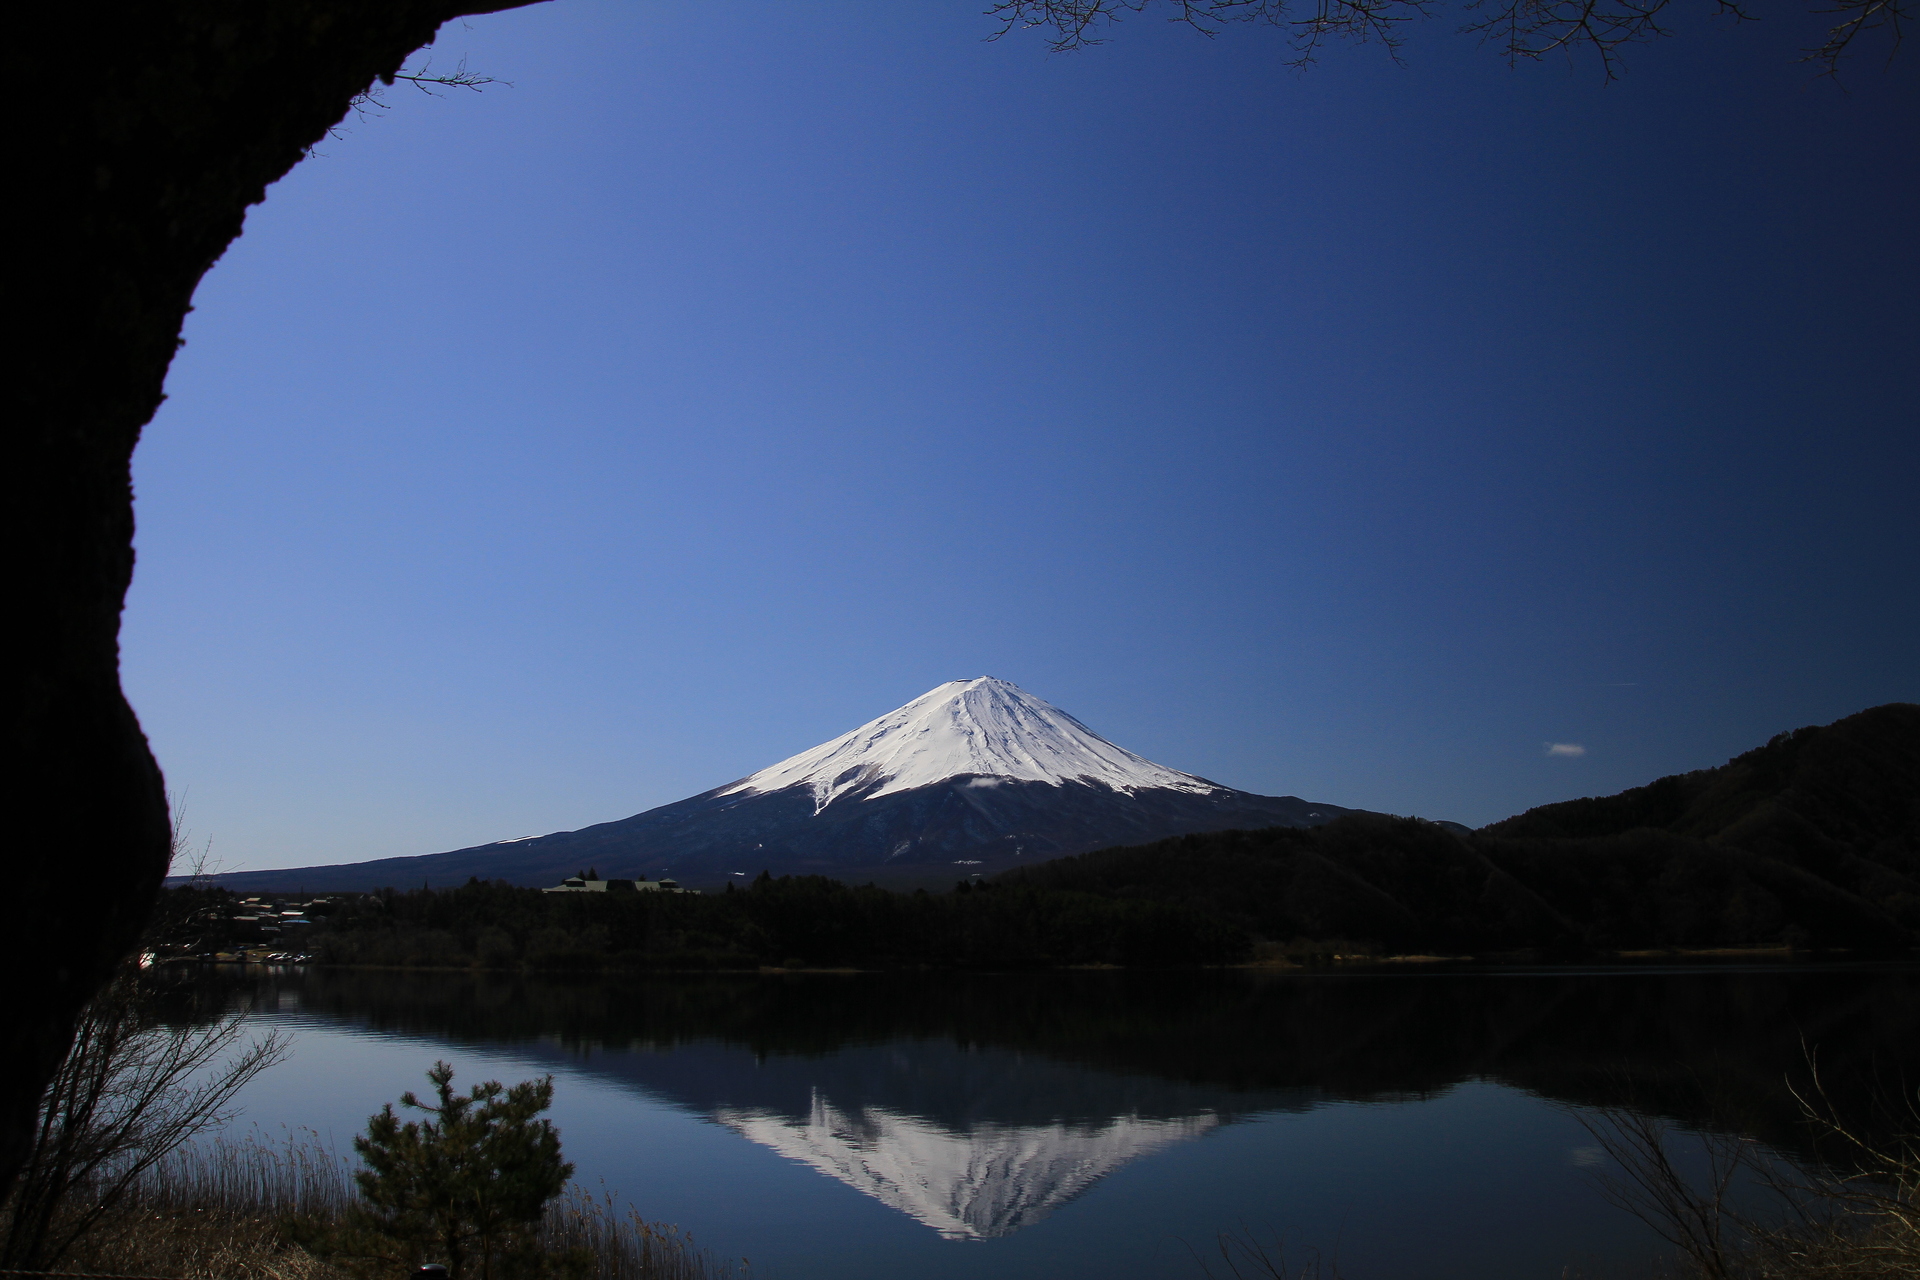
[{"x": 585, "y": 884}]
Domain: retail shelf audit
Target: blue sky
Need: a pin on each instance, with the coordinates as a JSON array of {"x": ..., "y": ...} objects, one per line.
[{"x": 744, "y": 370}]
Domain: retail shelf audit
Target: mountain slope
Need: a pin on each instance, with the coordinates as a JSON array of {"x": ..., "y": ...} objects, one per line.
[
  {"x": 1854, "y": 780},
  {"x": 1840, "y": 802},
  {"x": 972, "y": 777},
  {"x": 1811, "y": 839}
]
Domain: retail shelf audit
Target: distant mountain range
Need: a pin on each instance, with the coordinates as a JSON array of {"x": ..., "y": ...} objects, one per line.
[{"x": 970, "y": 778}]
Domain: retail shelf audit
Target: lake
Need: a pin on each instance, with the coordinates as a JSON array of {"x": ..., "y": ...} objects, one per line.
[{"x": 1410, "y": 1124}]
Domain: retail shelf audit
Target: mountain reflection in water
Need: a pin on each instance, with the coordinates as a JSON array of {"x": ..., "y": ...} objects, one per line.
[
  {"x": 987, "y": 1181},
  {"x": 973, "y": 1141},
  {"x": 980, "y": 1104}
]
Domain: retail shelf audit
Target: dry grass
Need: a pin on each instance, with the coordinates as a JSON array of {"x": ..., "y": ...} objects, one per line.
[
  {"x": 241, "y": 1210},
  {"x": 195, "y": 1244},
  {"x": 1856, "y": 1217},
  {"x": 625, "y": 1247}
]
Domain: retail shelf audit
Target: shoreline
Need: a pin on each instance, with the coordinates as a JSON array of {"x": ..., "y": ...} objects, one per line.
[{"x": 1625, "y": 961}]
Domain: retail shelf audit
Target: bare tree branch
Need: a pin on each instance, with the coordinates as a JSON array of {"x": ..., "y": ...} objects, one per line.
[
  {"x": 1523, "y": 29},
  {"x": 1852, "y": 1214},
  {"x": 1861, "y": 17},
  {"x": 1074, "y": 21},
  {"x": 426, "y": 81},
  {"x": 132, "y": 1089}
]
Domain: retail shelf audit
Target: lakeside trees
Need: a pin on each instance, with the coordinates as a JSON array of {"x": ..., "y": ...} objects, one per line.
[
  {"x": 471, "y": 1184},
  {"x": 1362, "y": 885},
  {"x": 1375, "y": 884},
  {"x": 790, "y": 921}
]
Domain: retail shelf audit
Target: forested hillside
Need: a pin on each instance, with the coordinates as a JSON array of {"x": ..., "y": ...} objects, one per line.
[{"x": 1813, "y": 839}]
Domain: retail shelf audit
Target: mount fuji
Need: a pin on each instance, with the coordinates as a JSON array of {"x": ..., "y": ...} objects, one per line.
[{"x": 972, "y": 777}]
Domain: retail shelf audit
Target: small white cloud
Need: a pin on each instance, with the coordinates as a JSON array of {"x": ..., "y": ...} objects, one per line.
[
  {"x": 983, "y": 782},
  {"x": 1565, "y": 749}
]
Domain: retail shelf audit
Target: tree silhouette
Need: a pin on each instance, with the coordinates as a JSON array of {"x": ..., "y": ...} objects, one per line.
[
  {"x": 470, "y": 1183},
  {"x": 1523, "y": 29}
]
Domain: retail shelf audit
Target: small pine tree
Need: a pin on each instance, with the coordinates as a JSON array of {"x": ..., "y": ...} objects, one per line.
[
  {"x": 593, "y": 873},
  {"x": 472, "y": 1182}
]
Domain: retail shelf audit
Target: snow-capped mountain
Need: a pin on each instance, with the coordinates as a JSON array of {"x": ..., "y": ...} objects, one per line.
[
  {"x": 987, "y": 1180},
  {"x": 985, "y": 729},
  {"x": 973, "y": 776}
]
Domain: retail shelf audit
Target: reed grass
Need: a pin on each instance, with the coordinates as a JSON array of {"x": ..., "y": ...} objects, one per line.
[
  {"x": 256, "y": 1210},
  {"x": 1853, "y": 1215}
]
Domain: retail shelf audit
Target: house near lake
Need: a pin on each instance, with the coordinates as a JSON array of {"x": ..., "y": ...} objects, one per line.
[{"x": 593, "y": 884}]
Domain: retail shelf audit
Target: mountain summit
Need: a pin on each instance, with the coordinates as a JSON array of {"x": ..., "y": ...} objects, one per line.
[
  {"x": 985, "y": 729},
  {"x": 970, "y": 778}
]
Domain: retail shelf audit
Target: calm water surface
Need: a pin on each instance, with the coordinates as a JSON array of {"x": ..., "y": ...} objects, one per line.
[{"x": 1106, "y": 1124}]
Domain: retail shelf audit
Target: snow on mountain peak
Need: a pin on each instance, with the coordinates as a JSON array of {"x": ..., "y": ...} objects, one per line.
[
  {"x": 988, "y": 1180},
  {"x": 985, "y": 727}
]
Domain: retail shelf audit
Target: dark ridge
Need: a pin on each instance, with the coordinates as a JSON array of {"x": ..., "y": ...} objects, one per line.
[
  {"x": 1811, "y": 840},
  {"x": 1853, "y": 781}
]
